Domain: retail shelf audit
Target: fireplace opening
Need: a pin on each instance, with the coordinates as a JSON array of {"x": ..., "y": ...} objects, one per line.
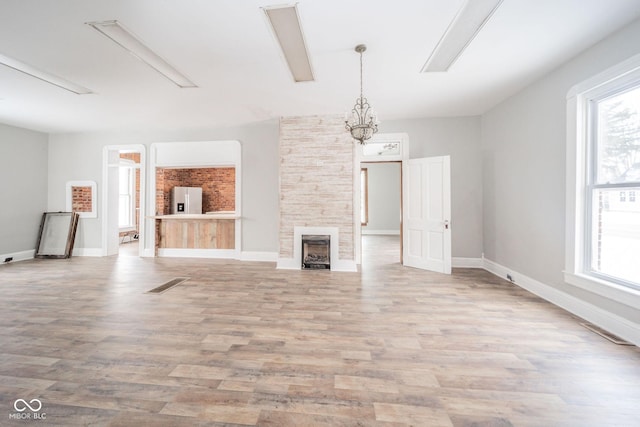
[{"x": 316, "y": 250}]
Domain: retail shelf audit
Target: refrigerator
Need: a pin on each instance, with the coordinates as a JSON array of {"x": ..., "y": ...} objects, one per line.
[{"x": 186, "y": 200}]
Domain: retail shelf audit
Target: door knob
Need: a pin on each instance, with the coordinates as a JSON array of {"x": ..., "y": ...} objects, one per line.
[{"x": 446, "y": 224}]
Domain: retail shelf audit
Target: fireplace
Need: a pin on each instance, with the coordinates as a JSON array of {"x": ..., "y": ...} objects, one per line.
[{"x": 316, "y": 250}]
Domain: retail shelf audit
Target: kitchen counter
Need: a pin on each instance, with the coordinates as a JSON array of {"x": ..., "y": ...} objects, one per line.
[
  {"x": 193, "y": 231},
  {"x": 213, "y": 215}
]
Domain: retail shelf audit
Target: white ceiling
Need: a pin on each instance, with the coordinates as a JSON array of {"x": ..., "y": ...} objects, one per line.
[{"x": 227, "y": 49}]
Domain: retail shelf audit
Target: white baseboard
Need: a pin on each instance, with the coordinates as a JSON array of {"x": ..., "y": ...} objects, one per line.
[
  {"x": 347, "y": 266},
  {"x": 148, "y": 253},
  {"x": 17, "y": 256},
  {"x": 198, "y": 253},
  {"x": 287, "y": 264},
  {"x": 86, "y": 252},
  {"x": 259, "y": 256},
  {"x": 611, "y": 322},
  {"x": 380, "y": 232},
  {"x": 459, "y": 262}
]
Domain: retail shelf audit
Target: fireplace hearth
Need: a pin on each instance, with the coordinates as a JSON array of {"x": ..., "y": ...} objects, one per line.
[{"x": 316, "y": 250}]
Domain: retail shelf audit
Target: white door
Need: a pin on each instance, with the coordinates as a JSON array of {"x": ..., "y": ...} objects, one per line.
[{"x": 427, "y": 214}]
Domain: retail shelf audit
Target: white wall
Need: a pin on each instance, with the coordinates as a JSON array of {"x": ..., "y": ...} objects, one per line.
[
  {"x": 523, "y": 152},
  {"x": 384, "y": 198},
  {"x": 458, "y": 137},
  {"x": 23, "y": 188},
  {"x": 79, "y": 157}
]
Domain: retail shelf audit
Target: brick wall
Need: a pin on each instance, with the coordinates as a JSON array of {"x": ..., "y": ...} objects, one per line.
[
  {"x": 81, "y": 199},
  {"x": 316, "y": 179},
  {"x": 218, "y": 187}
]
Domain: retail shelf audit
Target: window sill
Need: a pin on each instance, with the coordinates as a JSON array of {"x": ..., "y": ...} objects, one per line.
[{"x": 612, "y": 291}]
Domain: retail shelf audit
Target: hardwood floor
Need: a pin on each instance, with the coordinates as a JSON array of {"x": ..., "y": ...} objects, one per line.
[{"x": 245, "y": 344}]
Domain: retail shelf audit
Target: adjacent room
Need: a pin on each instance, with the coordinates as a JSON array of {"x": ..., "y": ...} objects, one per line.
[{"x": 320, "y": 213}]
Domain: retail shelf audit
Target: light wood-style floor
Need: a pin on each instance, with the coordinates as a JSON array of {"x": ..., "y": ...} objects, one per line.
[{"x": 245, "y": 344}]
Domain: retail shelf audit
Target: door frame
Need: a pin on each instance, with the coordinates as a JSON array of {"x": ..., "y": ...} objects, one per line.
[
  {"x": 109, "y": 209},
  {"x": 359, "y": 158}
]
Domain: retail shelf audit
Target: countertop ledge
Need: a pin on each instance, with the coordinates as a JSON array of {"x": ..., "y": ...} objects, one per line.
[{"x": 197, "y": 216}]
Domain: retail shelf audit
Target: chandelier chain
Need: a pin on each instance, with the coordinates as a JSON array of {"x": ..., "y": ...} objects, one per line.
[{"x": 361, "y": 91}]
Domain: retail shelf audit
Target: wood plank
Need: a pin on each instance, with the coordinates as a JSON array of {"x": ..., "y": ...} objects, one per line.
[{"x": 226, "y": 234}]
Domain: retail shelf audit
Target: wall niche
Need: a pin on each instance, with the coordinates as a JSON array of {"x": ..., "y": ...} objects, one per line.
[{"x": 218, "y": 187}]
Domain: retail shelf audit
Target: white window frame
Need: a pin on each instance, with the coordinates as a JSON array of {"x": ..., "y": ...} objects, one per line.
[
  {"x": 131, "y": 166},
  {"x": 578, "y": 168}
]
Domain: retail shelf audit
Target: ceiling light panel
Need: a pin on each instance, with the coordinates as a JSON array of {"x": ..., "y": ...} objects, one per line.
[
  {"x": 43, "y": 75},
  {"x": 121, "y": 36},
  {"x": 285, "y": 23},
  {"x": 463, "y": 29}
]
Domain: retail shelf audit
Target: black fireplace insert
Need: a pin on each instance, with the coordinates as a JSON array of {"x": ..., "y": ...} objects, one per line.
[{"x": 316, "y": 251}]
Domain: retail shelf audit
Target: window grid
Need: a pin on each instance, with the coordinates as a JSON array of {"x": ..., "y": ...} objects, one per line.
[{"x": 613, "y": 175}]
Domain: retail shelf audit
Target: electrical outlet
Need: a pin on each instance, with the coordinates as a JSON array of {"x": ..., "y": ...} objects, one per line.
[
  {"x": 8, "y": 259},
  {"x": 510, "y": 278}
]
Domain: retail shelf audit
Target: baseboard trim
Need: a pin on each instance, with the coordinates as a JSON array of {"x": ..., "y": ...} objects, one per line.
[
  {"x": 459, "y": 262},
  {"x": 619, "y": 326},
  {"x": 18, "y": 256},
  {"x": 198, "y": 253},
  {"x": 259, "y": 256},
  {"x": 86, "y": 252}
]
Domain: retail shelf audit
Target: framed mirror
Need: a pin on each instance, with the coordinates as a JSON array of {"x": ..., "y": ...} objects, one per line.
[
  {"x": 57, "y": 234},
  {"x": 82, "y": 198}
]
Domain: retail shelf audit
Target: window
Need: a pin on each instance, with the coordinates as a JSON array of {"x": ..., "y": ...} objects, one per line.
[
  {"x": 364, "y": 196},
  {"x": 611, "y": 233},
  {"x": 127, "y": 195},
  {"x": 603, "y": 160}
]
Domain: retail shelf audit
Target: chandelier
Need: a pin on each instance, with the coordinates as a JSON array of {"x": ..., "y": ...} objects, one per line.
[{"x": 363, "y": 122}]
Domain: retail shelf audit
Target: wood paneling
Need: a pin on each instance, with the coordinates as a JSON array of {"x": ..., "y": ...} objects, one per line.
[
  {"x": 226, "y": 234},
  {"x": 196, "y": 233}
]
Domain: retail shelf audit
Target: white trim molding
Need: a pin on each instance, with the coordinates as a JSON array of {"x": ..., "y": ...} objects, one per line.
[
  {"x": 198, "y": 253},
  {"x": 459, "y": 262},
  {"x": 94, "y": 198},
  {"x": 577, "y": 141},
  {"x": 619, "y": 326},
  {"x": 87, "y": 252},
  {"x": 18, "y": 256},
  {"x": 358, "y": 158},
  {"x": 195, "y": 154},
  {"x": 259, "y": 256}
]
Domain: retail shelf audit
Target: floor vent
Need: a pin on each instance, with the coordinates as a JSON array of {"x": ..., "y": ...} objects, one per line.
[
  {"x": 605, "y": 334},
  {"x": 170, "y": 284}
]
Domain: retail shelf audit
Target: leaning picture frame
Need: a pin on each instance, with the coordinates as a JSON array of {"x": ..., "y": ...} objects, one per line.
[{"x": 57, "y": 235}]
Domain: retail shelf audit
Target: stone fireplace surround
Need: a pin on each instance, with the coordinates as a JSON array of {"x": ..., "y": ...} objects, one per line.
[{"x": 316, "y": 188}]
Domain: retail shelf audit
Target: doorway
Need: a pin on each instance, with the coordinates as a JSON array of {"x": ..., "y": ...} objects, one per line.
[
  {"x": 384, "y": 148},
  {"x": 381, "y": 212},
  {"x": 123, "y": 207}
]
